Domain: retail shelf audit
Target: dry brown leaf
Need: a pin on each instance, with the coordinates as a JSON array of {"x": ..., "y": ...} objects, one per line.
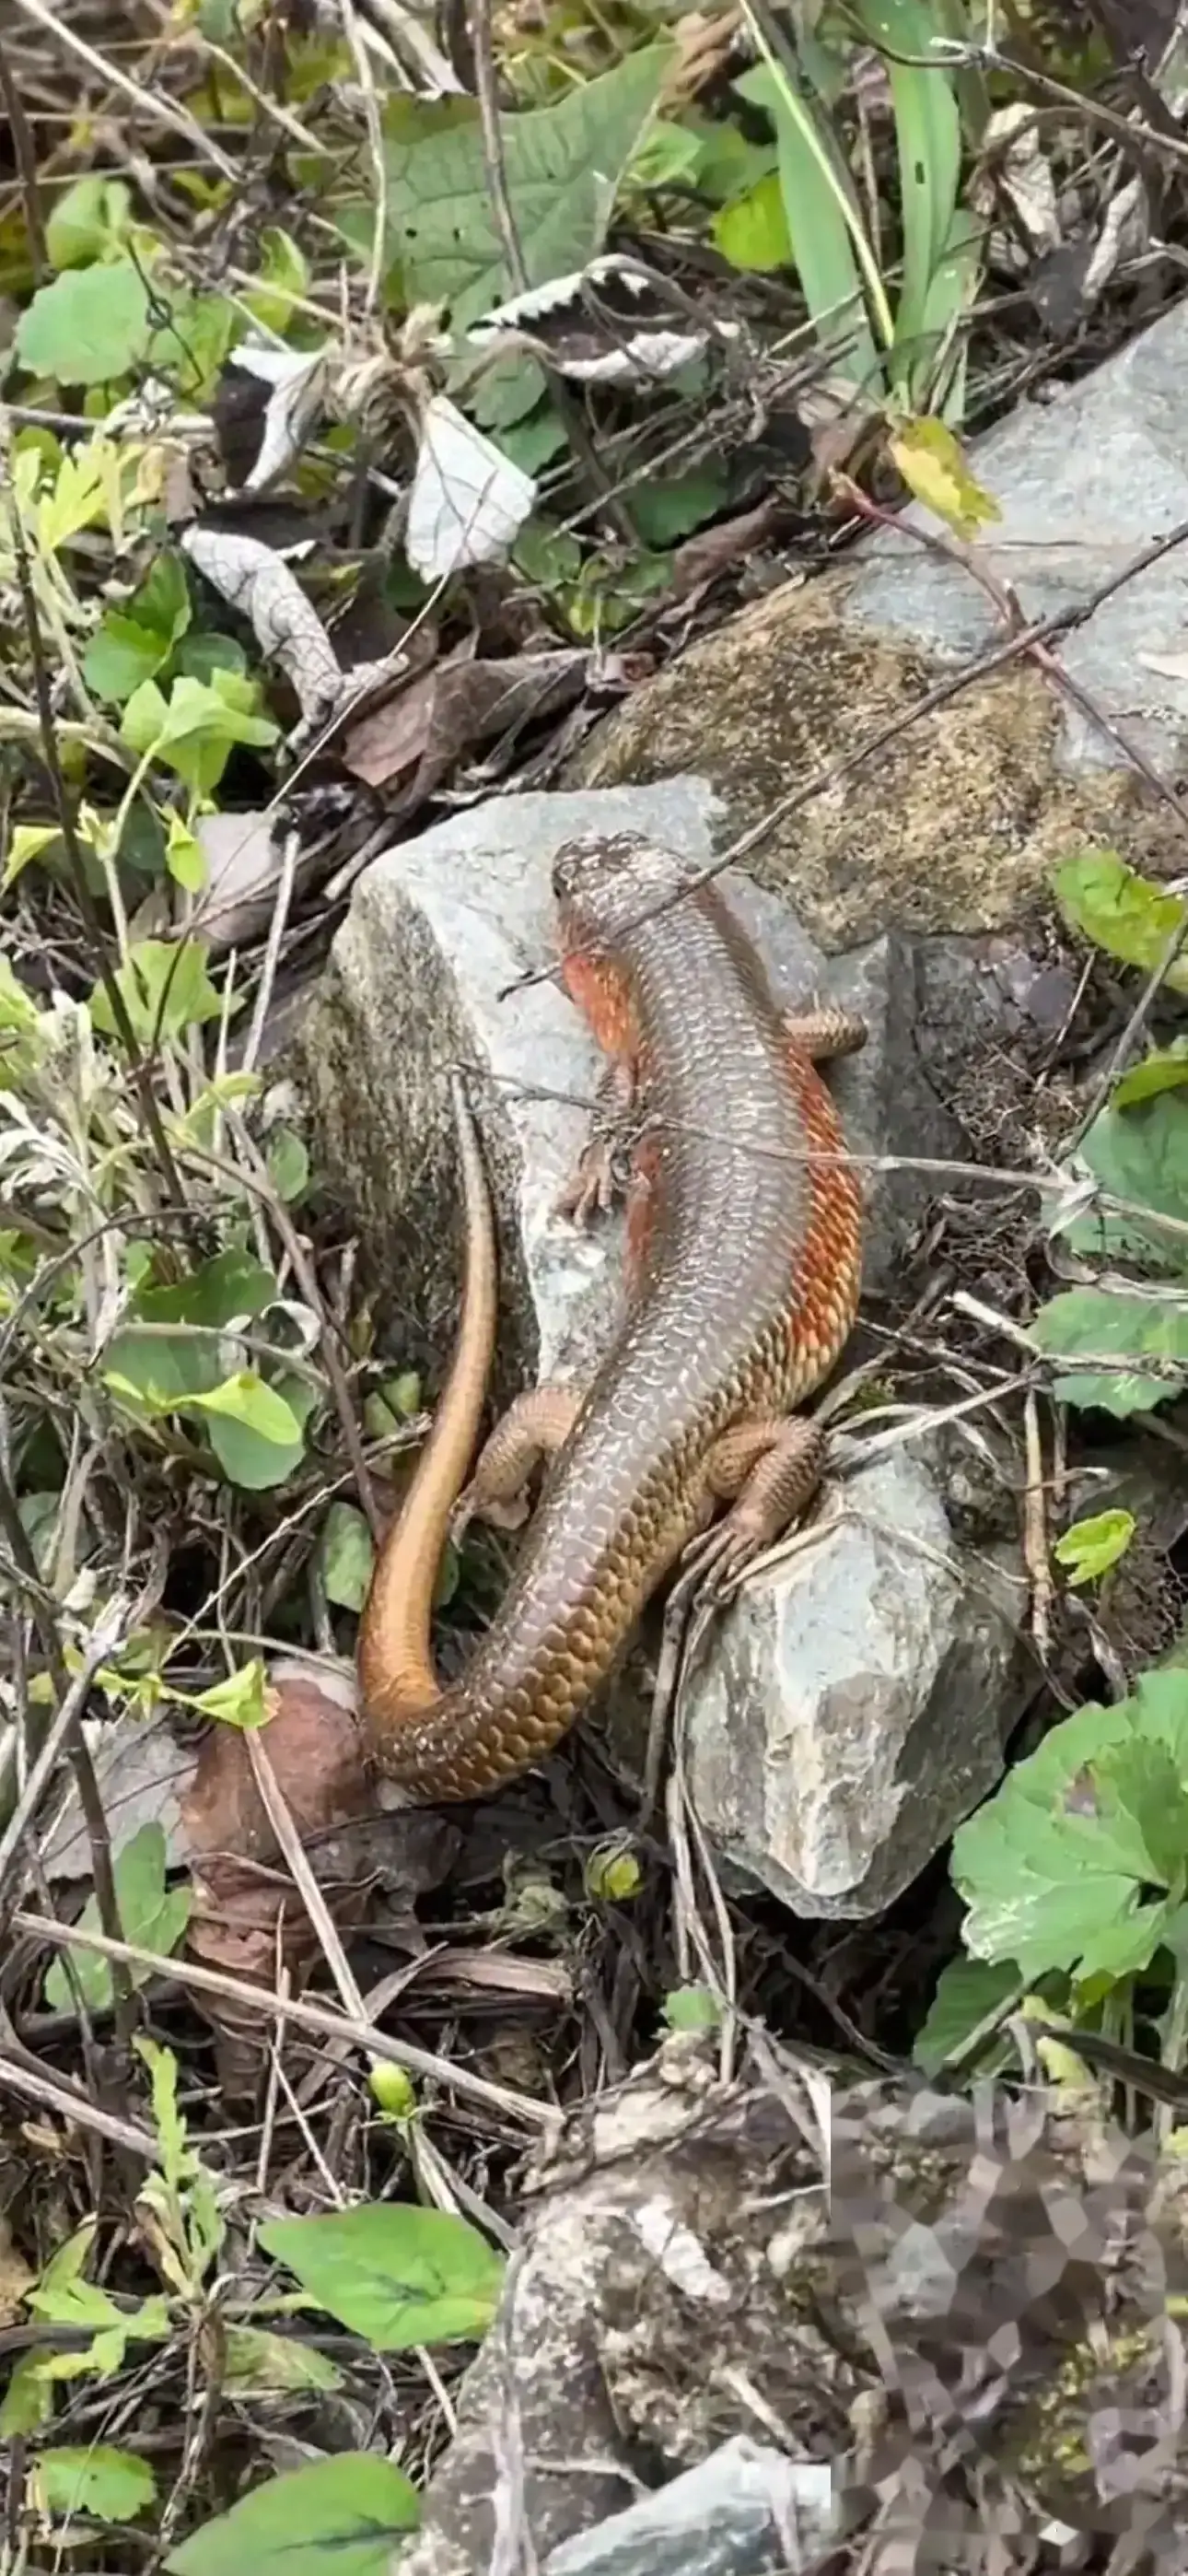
[{"x": 446, "y": 713}]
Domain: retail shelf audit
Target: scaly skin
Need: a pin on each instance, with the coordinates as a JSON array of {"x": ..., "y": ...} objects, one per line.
[{"x": 746, "y": 1260}]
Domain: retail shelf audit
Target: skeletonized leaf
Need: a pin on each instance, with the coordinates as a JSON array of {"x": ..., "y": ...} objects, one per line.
[{"x": 468, "y": 501}]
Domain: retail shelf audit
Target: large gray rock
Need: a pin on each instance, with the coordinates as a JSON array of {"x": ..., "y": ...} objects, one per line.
[{"x": 430, "y": 969}]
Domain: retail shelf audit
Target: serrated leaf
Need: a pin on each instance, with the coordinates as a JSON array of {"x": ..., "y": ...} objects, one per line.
[
  {"x": 395, "y": 2274},
  {"x": 1120, "y": 911},
  {"x": 1098, "y": 1323},
  {"x": 562, "y": 166},
  {"x": 348, "y": 2513},
  {"x": 692, "y": 2008},
  {"x": 752, "y": 230},
  {"x": 348, "y": 1554},
  {"x": 1092, "y": 1546},
  {"x": 114, "y": 2486},
  {"x": 152, "y": 1915},
  {"x": 88, "y": 327},
  {"x": 967, "y": 1991}
]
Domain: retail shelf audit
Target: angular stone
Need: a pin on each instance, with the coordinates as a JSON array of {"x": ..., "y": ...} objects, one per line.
[
  {"x": 738, "y": 2513},
  {"x": 853, "y": 1706}
]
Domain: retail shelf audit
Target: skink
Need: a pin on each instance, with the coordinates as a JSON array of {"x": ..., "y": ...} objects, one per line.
[{"x": 744, "y": 1255}]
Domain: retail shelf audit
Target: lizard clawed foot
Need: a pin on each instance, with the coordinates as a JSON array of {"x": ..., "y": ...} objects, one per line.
[{"x": 597, "y": 1184}]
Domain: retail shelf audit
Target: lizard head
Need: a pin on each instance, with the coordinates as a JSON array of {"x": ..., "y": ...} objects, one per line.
[{"x": 605, "y": 880}]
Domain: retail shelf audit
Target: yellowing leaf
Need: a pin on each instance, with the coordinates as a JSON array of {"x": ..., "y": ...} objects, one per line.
[
  {"x": 1091, "y": 1546},
  {"x": 27, "y": 842},
  {"x": 935, "y": 471}
]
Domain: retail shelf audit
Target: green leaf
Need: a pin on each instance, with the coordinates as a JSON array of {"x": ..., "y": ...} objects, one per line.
[
  {"x": 185, "y": 857},
  {"x": 195, "y": 730},
  {"x": 26, "y": 842},
  {"x": 136, "y": 640},
  {"x": 562, "y": 168},
  {"x": 341, "y": 2516},
  {"x": 246, "y": 1399},
  {"x": 87, "y": 220},
  {"x": 246, "y": 1456},
  {"x": 152, "y": 1915},
  {"x": 1121, "y": 911},
  {"x": 348, "y": 1554},
  {"x": 241, "y": 1700},
  {"x": 1054, "y": 1868},
  {"x": 397, "y": 2275},
  {"x": 967, "y": 1991},
  {"x": 288, "y": 1164},
  {"x": 89, "y": 327},
  {"x": 1163, "y": 1069},
  {"x": 114, "y": 2486},
  {"x": 1140, "y": 1154},
  {"x": 257, "y": 2364},
  {"x": 166, "y": 989},
  {"x": 692, "y": 2008},
  {"x": 121, "y": 655},
  {"x": 816, "y": 186},
  {"x": 283, "y": 280},
  {"x": 929, "y": 141},
  {"x": 752, "y": 231},
  {"x": 1098, "y": 1323},
  {"x": 665, "y": 511},
  {"x": 1092, "y": 1546},
  {"x": 231, "y": 1285}
]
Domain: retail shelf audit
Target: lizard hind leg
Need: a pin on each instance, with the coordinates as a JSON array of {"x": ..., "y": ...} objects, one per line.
[
  {"x": 768, "y": 1470},
  {"x": 533, "y": 1428}
]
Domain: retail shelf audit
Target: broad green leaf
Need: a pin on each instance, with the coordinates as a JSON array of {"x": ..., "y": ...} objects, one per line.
[
  {"x": 258, "y": 2364},
  {"x": 240, "y": 1700},
  {"x": 245, "y": 1398},
  {"x": 89, "y": 327},
  {"x": 1056, "y": 1866},
  {"x": 1139, "y": 1154},
  {"x": 28, "y": 2400},
  {"x": 114, "y": 2486},
  {"x": 342, "y": 2516},
  {"x": 967, "y": 1991},
  {"x": 665, "y": 511},
  {"x": 669, "y": 157},
  {"x": 730, "y": 165},
  {"x": 121, "y": 655},
  {"x": 934, "y": 469},
  {"x": 166, "y": 989},
  {"x": 1164, "y": 1069},
  {"x": 1121, "y": 911},
  {"x": 87, "y": 220},
  {"x": 196, "y": 728},
  {"x": 232, "y": 1284},
  {"x": 248, "y": 1455},
  {"x": 395, "y": 2274},
  {"x": 1092, "y": 1546},
  {"x": 348, "y": 1554},
  {"x": 562, "y": 167},
  {"x": 506, "y": 393},
  {"x": 152, "y": 1915},
  {"x": 752, "y": 231},
  {"x": 1099, "y": 1324}
]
